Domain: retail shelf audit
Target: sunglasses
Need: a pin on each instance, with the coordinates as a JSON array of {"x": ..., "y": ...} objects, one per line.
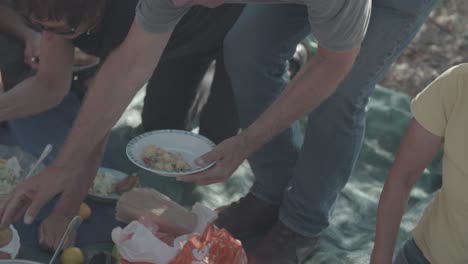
[{"x": 38, "y": 27}]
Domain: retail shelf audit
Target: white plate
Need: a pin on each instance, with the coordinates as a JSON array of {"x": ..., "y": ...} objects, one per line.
[
  {"x": 118, "y": 175},
  {"x": 188, "y": 144}
]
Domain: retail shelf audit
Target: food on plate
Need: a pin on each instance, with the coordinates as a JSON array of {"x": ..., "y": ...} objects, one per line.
[
  {"x": 127, "y": 184},
  {"x": 85, "y": 211},
  {"x": 161, "y": 159},
  {"x": 9, "y": 243},
  {"x": 6, "y": 235},
  {"x": 106, "y": 184},
  {"x": 4, "y": 255},
  {"x": 10, "y": 172},
  {"x": 72, "y": 255}
]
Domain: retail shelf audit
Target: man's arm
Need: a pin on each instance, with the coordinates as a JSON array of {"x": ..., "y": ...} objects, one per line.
[
  {"x": 121, "y": 76},
  {"x": 124, "y": 72},
  {"x": 47, "y": 88},
  {"x": 314, "y": 83}
]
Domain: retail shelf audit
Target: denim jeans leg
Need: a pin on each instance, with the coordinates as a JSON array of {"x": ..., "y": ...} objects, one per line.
[
  {"x": 335, "y": 130},
  {"x": 256, "y": 51}
]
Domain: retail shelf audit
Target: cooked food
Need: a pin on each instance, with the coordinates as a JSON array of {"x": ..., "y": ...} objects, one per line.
[
  {"x": 4, "y": 255},
  {"x": 10, "y": 172},
  {"x": 127, "y": 184},
  {"x": 161, "y": 159},
  {"x": 6, "y": 235},
  {"x": 106, "y": 184}
]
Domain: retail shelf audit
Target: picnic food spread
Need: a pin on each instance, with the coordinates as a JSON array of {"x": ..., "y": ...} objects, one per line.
[
  {"x": 10, "y": 172},
  {"x": 9, "y": 243},
  {"x": 106, "y": 184},
  {"x": 144, "y": 209},
  {"x": 161, "y": 159},
  {"x": 157, "y": 233},
  {"x": 5, "y": 237}
]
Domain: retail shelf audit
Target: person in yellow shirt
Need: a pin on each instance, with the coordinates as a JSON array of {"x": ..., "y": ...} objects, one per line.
[{"x": 441, "y": 236}]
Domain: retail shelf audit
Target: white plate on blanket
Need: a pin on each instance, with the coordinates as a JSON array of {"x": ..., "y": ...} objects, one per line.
[{"x": 188, "y": 144}]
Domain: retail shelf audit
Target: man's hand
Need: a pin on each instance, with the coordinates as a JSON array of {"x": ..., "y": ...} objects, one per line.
[
  {"x": 29, "y": 196},
  {"x": 228, "y": 156},
  {"x": 52, "y": 229},
  {"x": 327, "y": 68}
]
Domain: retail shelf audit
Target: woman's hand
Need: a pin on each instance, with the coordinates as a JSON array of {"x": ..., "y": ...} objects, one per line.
[{"x": 32, "y": 46}]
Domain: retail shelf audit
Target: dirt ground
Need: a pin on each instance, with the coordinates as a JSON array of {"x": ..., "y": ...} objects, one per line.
[{"x": 441, "y": 43}]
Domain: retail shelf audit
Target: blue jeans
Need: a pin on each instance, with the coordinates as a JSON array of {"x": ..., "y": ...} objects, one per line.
[
  {"x": 306, "y": 179},
  {"x": 410, "y": 254}
]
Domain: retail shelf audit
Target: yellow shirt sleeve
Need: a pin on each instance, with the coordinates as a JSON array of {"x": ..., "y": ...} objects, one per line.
[{"x": 433, "y": 106}]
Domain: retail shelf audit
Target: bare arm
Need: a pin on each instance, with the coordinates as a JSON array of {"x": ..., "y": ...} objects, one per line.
[
  {"x": 47, "y": 88},
  {"x": 11, "y": 23},
  {"x": 314, "y": 83},
  {"x": 124, "y": 72},
  {"x": 417, "y": 150}
]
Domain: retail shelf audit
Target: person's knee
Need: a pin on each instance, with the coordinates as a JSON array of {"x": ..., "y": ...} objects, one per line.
[{"x": 341, "y": 109}]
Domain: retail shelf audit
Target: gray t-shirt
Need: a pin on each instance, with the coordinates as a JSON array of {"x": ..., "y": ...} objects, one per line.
[{"x": 336, "y": 24}]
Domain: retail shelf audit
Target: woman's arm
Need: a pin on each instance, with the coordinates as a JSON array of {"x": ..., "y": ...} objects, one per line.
[
  {"x": 11, "y": 23},
  {"x": 416, "y": 152},
  {"x": 48, "y": 87}
]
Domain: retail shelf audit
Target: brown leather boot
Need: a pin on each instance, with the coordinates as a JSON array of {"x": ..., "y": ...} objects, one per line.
[
  {"x": 283, "y": 246},
  {"x": 248, "y": 216}
]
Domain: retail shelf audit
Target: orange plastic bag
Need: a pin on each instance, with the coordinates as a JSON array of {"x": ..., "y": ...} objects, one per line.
[{"x": 213, "y": 247}]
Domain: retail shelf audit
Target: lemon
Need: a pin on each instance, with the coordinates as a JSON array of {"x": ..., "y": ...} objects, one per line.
[
  {"x": 85, "y": 211},
  {"x": 72, "y": 255}
]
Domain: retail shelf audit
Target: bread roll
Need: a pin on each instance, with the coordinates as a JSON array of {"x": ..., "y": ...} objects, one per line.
[{"x": 6, "y": 235}]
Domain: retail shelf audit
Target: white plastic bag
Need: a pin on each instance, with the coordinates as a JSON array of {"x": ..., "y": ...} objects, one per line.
[{"x": 137, "y": 243}]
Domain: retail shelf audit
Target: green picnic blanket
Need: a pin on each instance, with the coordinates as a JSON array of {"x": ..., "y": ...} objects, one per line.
[{"x": 349, "y": 239}]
